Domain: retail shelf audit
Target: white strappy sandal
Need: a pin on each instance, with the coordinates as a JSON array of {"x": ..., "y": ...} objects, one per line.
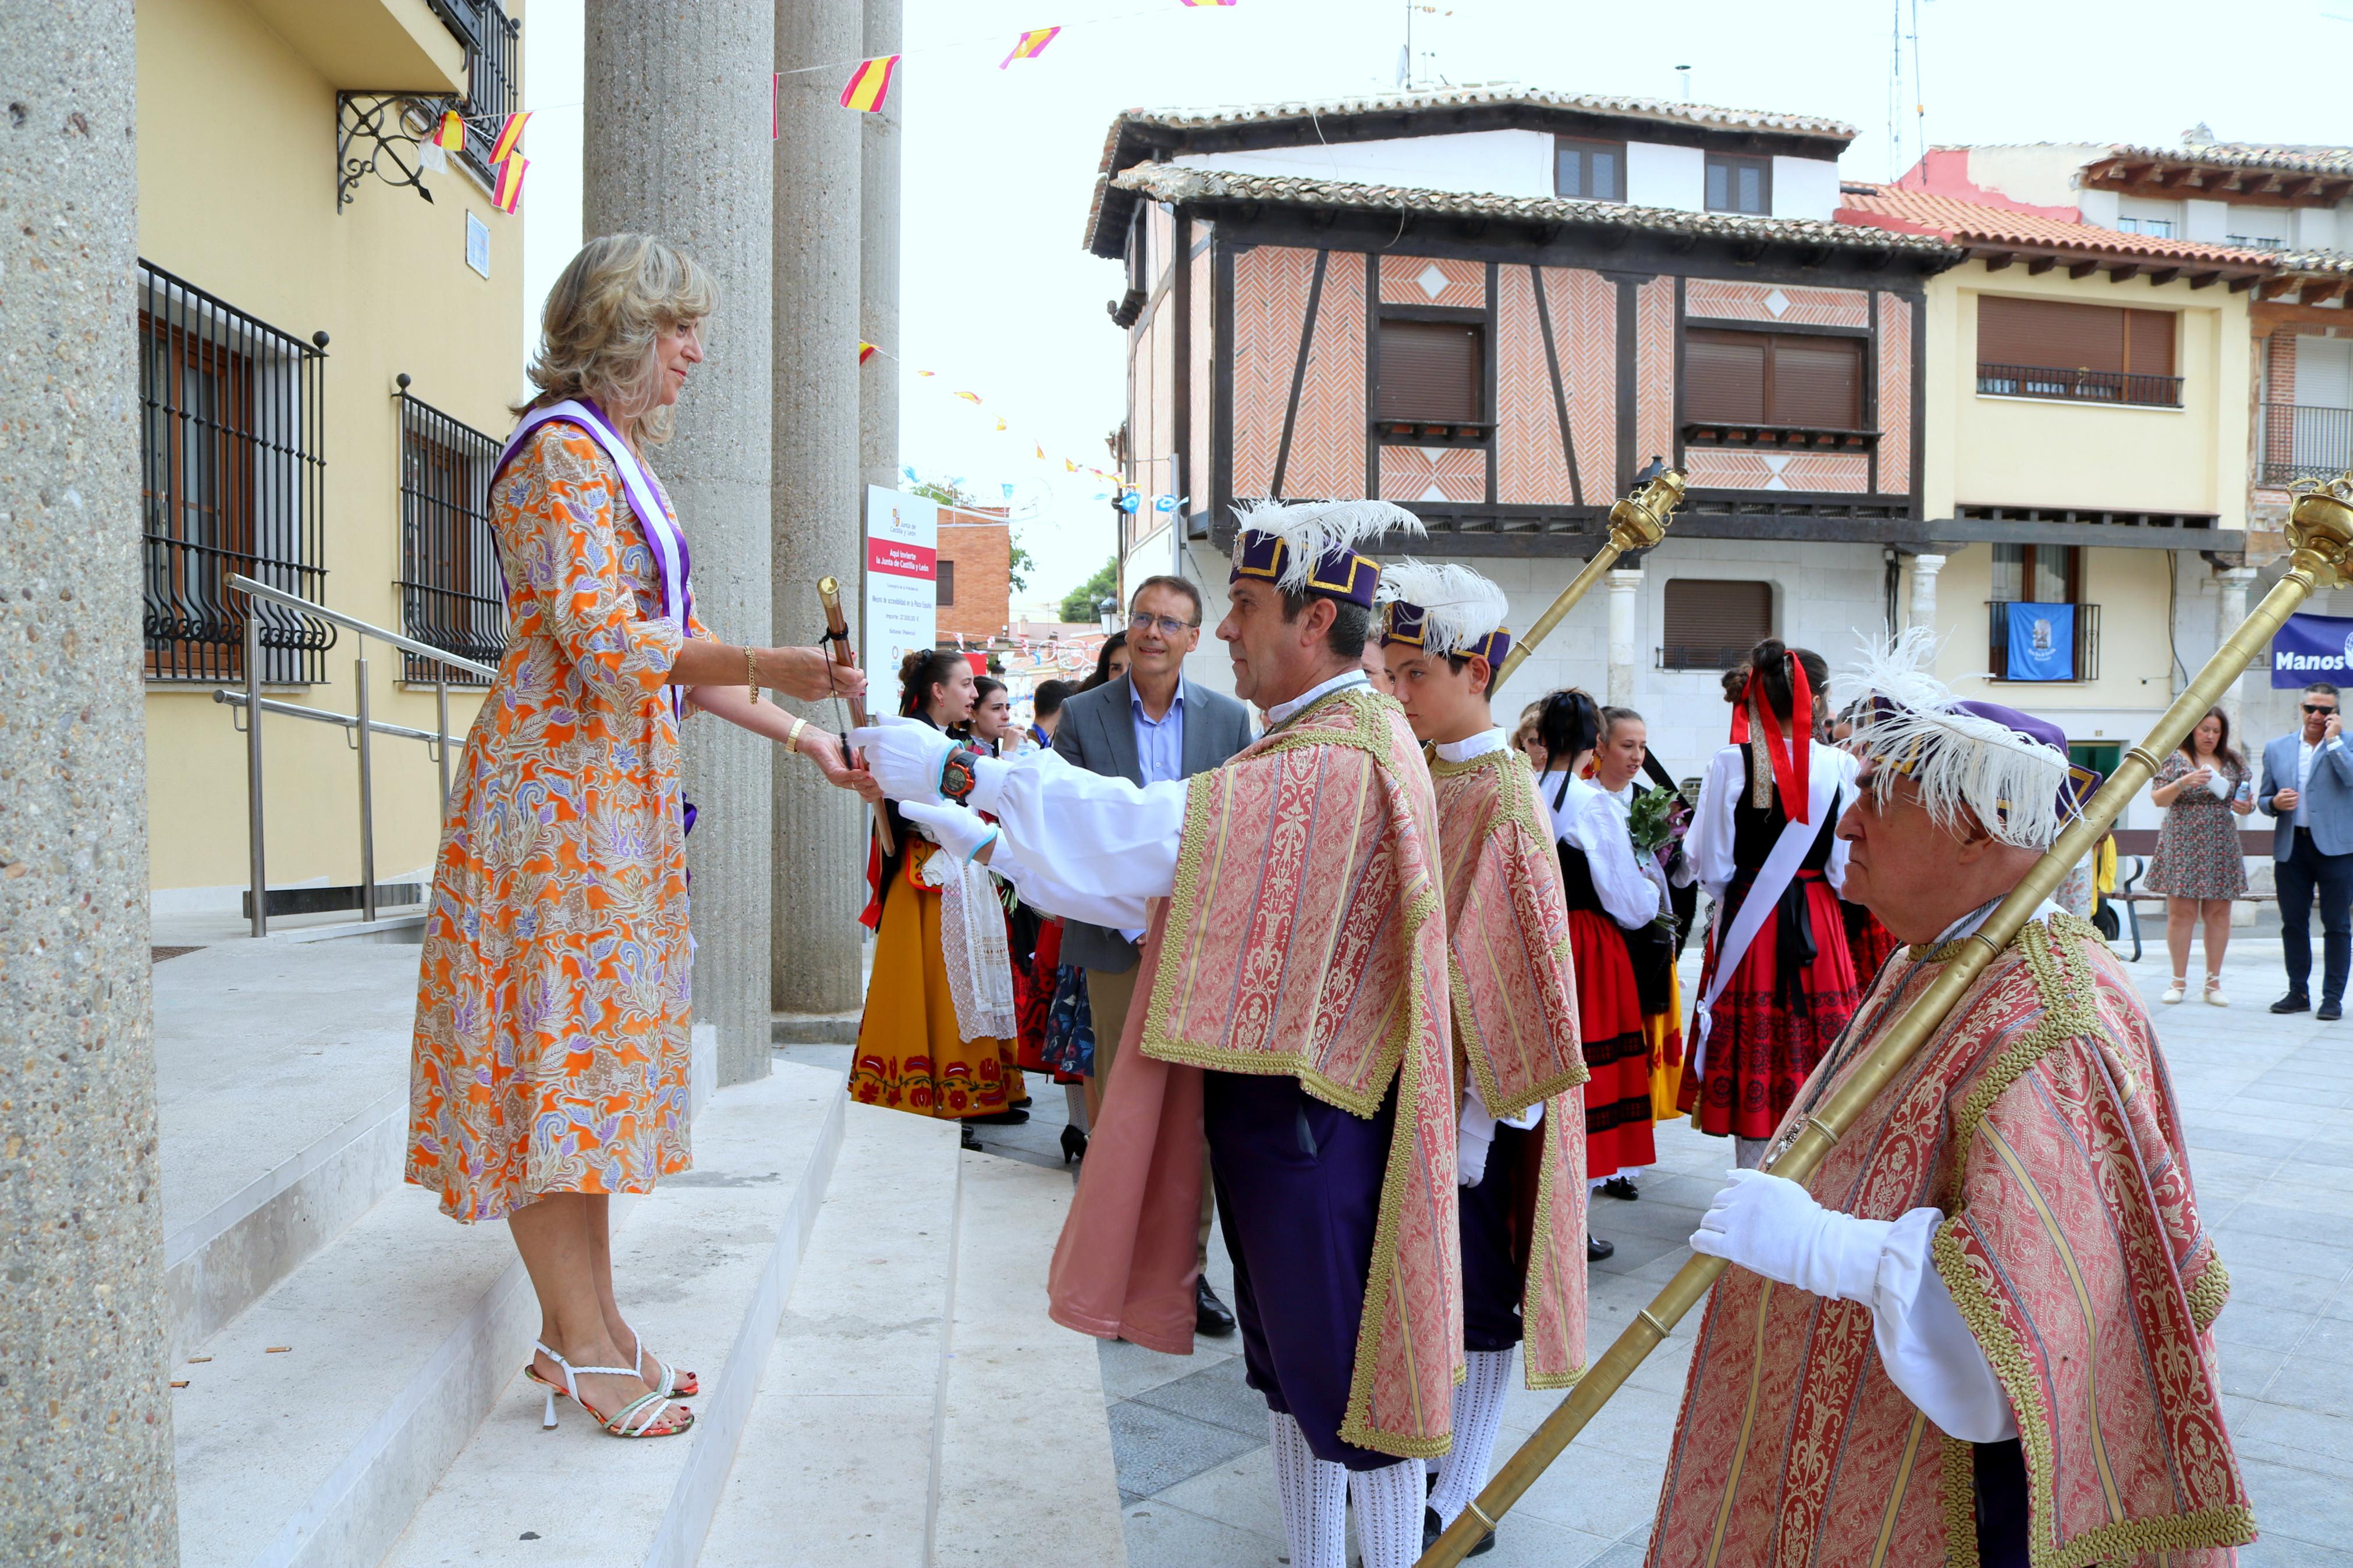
[
  {"x": 643, "y": 1417},
  {"x": 676, "y": 1383}
]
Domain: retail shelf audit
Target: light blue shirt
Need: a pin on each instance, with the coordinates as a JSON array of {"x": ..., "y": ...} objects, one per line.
[{"x": 1159, "y": 744}]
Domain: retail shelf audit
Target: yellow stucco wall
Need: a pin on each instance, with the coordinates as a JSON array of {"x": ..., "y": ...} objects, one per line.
[
  {"x": 2136, "y": 664},
  {"x": 248, "y": 214}
]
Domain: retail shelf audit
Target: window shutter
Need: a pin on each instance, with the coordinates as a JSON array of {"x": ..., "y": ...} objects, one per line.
[
  {"x": 945, "y": 584},
  {"x": 1431, "y": 370},
  {"x": 2148, "y": 342},
  {"x": 2057, "y": 335},
  {"x": 1724, "y": 377},
  {"x": 1817, "y": 383},
  {"x": 1712, "y": 623}
]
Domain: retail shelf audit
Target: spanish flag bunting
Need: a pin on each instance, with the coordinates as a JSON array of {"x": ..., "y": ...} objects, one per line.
[
  {"x": 1205, "y": 1},
  {"x": 1000, "y": 423},
  {"x": 510, "y": 137},
  {"x": 509, "y": 187},
  {"x": 450, "y": 134},
  {"x": 865, "y": 352},
  {"x": 1069, "y": 466},
  {"x": 1041, "y": 453},
  {"x": 969, "y": 397},
  {"x": 1029, "y": 45},
  {"x": 927, "y": 373},
  {"x": 869, "y": 84}
]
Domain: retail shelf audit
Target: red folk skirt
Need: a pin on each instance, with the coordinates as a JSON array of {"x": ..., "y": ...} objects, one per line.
[
  {"x": 1763, "y": 1044},
  {"x": 1617, "y": 1053},
  {"x": 1033, "y": 999}
]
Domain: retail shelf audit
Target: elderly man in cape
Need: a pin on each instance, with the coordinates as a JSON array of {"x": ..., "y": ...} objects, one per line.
[
  {"x": 1293, "y": 1004},
  {"x": 1980, "y": 1332},
  {"x": 1520, "y": 1156}
]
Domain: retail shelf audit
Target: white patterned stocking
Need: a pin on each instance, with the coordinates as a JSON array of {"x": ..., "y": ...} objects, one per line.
[
  {"x": 1478, "y": 1417},
  {"x": 1388, "y": 1513},
  {"x": 1315, "y": 1499}
]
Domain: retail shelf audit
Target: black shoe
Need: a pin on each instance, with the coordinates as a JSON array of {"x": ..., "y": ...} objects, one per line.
[
  {"x": 1594, "y": 1251},
  {"x": 1001, "y": 1118},
  {"x": 970, "y": 1140},
  {"x": 2294, "y": 1002},
  {"x": 2328, "y": 1012},
  {"x": 1074, "y": 1144},
  {"x": 1432, "y": 1529},
  {"x": 1020, "y": 1104},
  {"x": 1622, "y": 1188},
  {"x": 1210, "y": 1316}
]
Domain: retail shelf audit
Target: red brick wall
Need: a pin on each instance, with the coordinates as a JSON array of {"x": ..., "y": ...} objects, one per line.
[{"x": 981, "y": 547}]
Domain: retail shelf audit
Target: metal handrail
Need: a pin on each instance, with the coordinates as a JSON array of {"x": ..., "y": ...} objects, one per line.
[{"x": 361, "y": 723}]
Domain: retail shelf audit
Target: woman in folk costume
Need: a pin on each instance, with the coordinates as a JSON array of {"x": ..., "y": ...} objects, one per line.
[
  {"x": 550, "y": 1061},
  {"x": 1608, "y": 895},
  {"x": 1981, "y": 1330},
  {"x": 1293, "y": 1006},
  {"x": 939, "y": 1032},
  {"x": 1778, "y": 985},
  {"x": 1520, "y": 1153},
  {"x": 1623, "y": 757},
  {"x": 1869, "y": 944}
]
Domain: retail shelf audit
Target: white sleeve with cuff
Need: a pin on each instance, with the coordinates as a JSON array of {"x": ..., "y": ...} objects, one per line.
[
  {"x": 1077, "y": 844},
  {"x": 1928, "y": 1352},
  {"x": 1632, "y": 898},
  {"x": 1708, "y": 844}
]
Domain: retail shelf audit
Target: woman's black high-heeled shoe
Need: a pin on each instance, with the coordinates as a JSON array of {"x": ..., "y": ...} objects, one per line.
[
  {"x": 969, "y": 1139},
  {"x": 1074, "y": 1144}
]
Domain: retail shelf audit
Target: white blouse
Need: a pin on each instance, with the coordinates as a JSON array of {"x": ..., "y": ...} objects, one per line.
[
  {"x": 1586, "y": 818},
  {"x": 1708, "y": 844}
]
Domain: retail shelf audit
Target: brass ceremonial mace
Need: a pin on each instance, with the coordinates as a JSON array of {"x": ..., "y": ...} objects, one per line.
[
  {"x": 1635, "y": 524},
  {"x": 2320, "y": 529},
  {"x": 837, "y": 637}
]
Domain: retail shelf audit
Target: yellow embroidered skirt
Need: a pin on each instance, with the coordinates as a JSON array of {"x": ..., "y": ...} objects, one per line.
[{"x": 908, "y": 1055}]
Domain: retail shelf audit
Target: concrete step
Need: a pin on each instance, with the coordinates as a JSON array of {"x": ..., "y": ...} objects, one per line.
[
  {"x": 401, "y": 1334},
  {"x": 920, "y": 1408},
  {"x": 705, "y": 1266}
]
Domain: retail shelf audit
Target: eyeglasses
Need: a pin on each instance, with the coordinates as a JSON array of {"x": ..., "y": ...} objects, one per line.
[
  {"x": 1169, "y": 625},
  {"x": 2318, "y": 708}
]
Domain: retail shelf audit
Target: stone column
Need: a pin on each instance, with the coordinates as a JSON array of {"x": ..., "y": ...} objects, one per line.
[
  {"x": 1625, "y": 586},
  {"x": 878, "y": 273},
  {"x": 820, "y": 864},
  {"x": 1923, "y": 570},
  {"x": 701, "y": 178},
  {"x": 2229, "y": 609},
  {"x": 85, "y": 1407}
]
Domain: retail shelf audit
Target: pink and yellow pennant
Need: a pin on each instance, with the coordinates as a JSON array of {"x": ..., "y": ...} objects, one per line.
[
  {"x": 865, "y": 352},
  {"x": 869, "y": 84},
  {"x": 1192, "y": 3},
  {"x": 969, "y": 397},
  {"x": 450, "y": 134},
  {"x": 1041, "y": 453},
  {"x": 510, "y": 187},
  {"x": 1001, "y": 424},
  {"x": 510, "y": 137},
  {"x": 1029, "y": 45}
]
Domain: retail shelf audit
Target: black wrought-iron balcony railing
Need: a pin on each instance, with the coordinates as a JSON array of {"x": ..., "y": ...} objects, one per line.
[
  {"x": 2083, "y": 645},
  {"x": 2304, "y": 441},
  {"x": 2079, "y": 385}
]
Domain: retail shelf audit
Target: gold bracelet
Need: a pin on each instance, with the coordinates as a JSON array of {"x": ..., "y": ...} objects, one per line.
[
  {"x": 752, "y": 674},
  {"x": 793, "y": 736}
]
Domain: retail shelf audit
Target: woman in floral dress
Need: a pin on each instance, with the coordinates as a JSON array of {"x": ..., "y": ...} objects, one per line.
[
  {"x": 550, "y": 1054},
  {"x": 2198, "y": 865}
]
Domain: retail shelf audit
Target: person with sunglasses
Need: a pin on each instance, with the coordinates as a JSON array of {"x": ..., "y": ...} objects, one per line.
[{"x": 2308, "y": 791}]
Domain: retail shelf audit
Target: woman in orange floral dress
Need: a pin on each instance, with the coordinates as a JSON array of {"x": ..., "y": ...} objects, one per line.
[{"x": 550, "y": 1064}]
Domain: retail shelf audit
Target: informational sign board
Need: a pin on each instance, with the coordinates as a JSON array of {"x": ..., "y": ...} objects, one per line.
[
  {"x": 2312, "y": 648},
  {"x": 899, "y": 612}
]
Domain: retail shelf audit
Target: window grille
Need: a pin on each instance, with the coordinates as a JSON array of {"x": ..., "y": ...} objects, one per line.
[
  {"x": 493, "y": 62},
  {"x": 451, "y": 593},
  {"x": 232, "y": 478}
]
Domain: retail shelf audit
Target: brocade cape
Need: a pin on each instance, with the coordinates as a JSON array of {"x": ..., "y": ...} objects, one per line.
[
  {"x": 1514, "y": 1013},
  {"x": 2041, "y": 1119},
  {"x": 1305, "y": 937}
]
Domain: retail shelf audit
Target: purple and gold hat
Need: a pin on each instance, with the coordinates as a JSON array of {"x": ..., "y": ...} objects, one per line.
[
  {"x": 1445, "y": 609},
  {"x": 1311, "y": 547}
]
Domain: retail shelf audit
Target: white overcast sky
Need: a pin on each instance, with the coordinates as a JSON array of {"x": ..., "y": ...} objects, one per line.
[{"x": 998, "y": 297}]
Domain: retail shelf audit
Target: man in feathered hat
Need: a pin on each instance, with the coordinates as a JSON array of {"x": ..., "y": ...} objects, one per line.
[
  {"x": 1293, "y": 1004},
  {"x": 1520, "y": 1152},
  {"x": 1982, "y": 1329}
]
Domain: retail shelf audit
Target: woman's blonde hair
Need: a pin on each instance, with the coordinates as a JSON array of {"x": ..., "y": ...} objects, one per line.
[{"x": 596, "y": 334}]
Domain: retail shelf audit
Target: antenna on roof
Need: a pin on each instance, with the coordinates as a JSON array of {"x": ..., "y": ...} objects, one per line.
[{"x": 1684, "y": 72}]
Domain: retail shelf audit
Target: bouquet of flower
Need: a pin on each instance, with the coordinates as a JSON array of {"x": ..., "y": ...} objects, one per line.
[{"x": 1657, "y": 822}]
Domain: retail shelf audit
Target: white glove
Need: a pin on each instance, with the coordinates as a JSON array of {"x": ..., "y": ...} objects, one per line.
[
  {"x": 961, "y": 833},
  {"x": 1771, "y": 1226},
  {"x": 1473, "y": 1136},
  {"x": 905, "y": 755}
]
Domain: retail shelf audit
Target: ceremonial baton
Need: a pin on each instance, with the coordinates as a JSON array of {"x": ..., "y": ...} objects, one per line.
[
  {"x": 837, "y": 637},
  {"x": 1635, "y": 524},
  {"x": 2320, "y": 531}
]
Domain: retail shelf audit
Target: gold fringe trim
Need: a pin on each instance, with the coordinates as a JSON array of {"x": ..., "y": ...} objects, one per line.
[
  {"x": 1956, "y": 1490},
  {"x": 2206, "y": 1297},
  {"x": 1548, "y": 1178}
]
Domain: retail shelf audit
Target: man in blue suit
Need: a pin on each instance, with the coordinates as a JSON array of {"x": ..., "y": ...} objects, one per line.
[
  {"x": 2308, "y": 787},
  {"x": 1148, "y": 726}
]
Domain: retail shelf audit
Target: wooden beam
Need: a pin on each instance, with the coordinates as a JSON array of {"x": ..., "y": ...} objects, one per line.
[
  {"x": 2124, "y": 271},
  {"x": 2162, "y": 275},
  {"x": 2294, "y": 188},
  {"x": 2083, "y": 268},
  {"x": 2041, "y": 265},
  {"x": 2240, "y": 285},
  {"x": 2273, "y": 289},
  {"x": 2204, "y": 279},
  {"x": 1997, "y": 259},
  {"x": 2317, "y": 293}
]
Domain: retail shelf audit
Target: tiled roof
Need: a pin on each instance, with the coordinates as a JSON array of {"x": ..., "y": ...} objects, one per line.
[
  {"x": 2335, "y": 261},
  {"x": 2337, "y": 160},
  {"x": 1975, "y": 223},
  {"x": 1177, "y": 183}
]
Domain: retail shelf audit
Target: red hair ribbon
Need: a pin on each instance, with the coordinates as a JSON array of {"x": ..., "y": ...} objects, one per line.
[{"x": 1791, "y": 756}]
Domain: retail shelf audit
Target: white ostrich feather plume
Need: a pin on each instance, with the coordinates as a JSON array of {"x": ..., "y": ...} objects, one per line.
[
  {"x": 1460, "y": 606},
  {"x": 1313, "y": 528},
  {"x": 1963, "y": 763}
]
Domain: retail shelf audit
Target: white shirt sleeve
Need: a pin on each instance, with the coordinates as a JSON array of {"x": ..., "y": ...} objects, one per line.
[
  {"x": 1708, "y": 844},
  {"x": 1927, "y": 1350},
  {"x": 1849, "y": 769},
  {"x": 1588, "y": 821},
  {"x": 1079, "y": 844}
]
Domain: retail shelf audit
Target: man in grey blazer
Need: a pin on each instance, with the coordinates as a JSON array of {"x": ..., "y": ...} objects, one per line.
[
  {"x": 2309, "y": 789},
  {"x": 1148, "y": 726}
]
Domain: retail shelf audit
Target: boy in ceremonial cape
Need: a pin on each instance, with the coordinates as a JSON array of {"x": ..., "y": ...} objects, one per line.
[
  {"x": 1293, "y": 1003},
  {"x": 1520, "y": 1153},
  {"x": 1980, "y": 1332}
]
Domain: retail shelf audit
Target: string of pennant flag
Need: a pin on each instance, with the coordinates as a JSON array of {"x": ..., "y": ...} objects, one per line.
[
  {"x": 506, "y": 159},
  {"x": 866, "y": 352}
]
